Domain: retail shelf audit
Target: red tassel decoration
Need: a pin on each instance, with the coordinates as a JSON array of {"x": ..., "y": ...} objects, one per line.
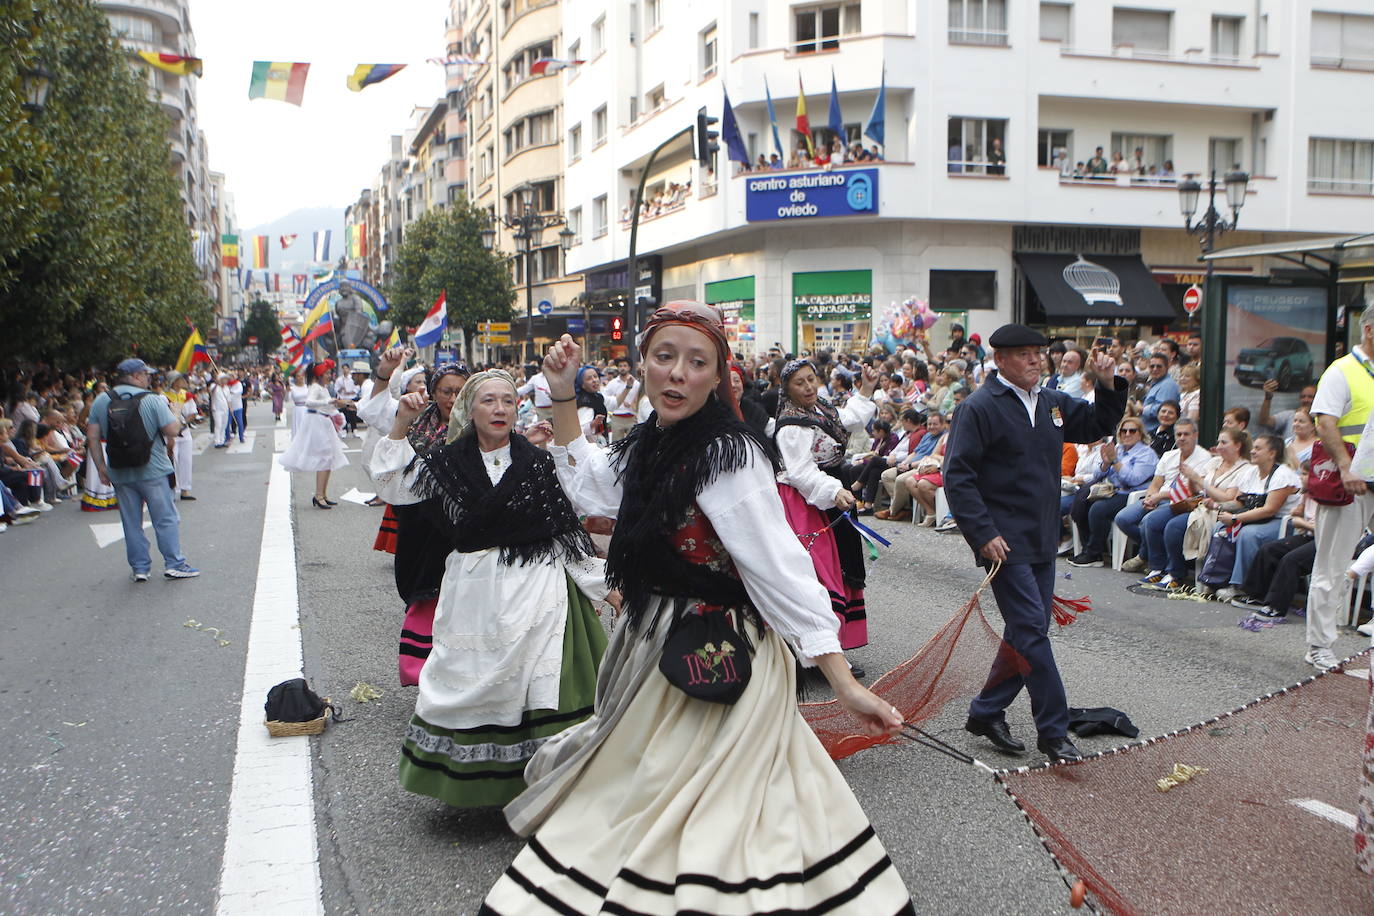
[{"x": 1066, "y": 610}]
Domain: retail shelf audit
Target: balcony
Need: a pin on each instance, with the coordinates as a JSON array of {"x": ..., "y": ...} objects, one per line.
[
  {"x": 171, "y": 103},
  {"x": 168, "y": 11}
]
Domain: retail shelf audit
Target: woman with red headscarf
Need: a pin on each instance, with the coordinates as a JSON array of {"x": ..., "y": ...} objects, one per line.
[
  {"x": 315, "y": 445},
  {"x": 696, "y": 786}
]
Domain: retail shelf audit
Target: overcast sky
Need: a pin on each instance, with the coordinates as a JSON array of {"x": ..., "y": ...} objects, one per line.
[{"x": 277, "y": 157}]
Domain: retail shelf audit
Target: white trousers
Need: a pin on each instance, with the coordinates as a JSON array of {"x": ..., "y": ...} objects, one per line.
[
  {"x": 1338, "y": 531},
  {"x": 221, "y": 417},
  {"x": 181, "y": 460}
]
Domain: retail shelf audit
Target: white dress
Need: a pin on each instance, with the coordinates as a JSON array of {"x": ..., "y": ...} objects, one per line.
[
  {"x": 315, "y": 444},
  {"x": 298, "y": 396}
]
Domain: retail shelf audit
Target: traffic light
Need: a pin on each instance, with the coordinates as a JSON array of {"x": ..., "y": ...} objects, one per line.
[
  {"x": 707, "y": 145},
  {"x": 617, "y": 328}
]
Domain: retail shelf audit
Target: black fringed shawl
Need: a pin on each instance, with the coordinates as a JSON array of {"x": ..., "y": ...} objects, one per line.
[
  {"x": 526, "y": 514},
  {"x": 661, "y": 471}
]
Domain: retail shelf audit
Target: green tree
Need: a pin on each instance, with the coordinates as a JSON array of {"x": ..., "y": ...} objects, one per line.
[
  {"x": 262, "y": 323},
  {"x": 442, "y": 253},
  {"x": 104, "y": 267}
]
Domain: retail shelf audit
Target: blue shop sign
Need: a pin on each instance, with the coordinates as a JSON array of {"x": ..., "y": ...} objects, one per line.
[{"x": 842, "y": 192}]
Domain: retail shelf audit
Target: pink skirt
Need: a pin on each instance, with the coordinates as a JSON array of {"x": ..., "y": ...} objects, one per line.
[
  {"x": 846, "y": 601},
  {"x": 417, "y": 638}
]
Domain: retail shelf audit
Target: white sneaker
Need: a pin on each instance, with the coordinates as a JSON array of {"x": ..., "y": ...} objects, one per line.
[
  {"x": 1320, "y": 657},
  {"x": 1133, "y": 565},
  {"x": 23, "y": 511},
  {"x": 1226, "y": 594},
  {"x": 4, "y": 527},
  {"x": 1366, "y": 629},
  {"x": 42, "y": 506}
]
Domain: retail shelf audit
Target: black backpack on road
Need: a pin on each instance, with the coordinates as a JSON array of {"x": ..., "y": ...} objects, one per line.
[{"x": 127, "y": 443}]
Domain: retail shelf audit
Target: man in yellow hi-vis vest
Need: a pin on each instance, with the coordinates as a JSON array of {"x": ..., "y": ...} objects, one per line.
[{"x": 1345, "y": 398}]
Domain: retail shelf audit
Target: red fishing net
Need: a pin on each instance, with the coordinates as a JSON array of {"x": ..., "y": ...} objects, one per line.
[{"x": 1251, "y": 812}]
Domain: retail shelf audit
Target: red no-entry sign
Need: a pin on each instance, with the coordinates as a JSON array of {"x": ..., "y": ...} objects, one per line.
[{"x": 1192, "y": 299}]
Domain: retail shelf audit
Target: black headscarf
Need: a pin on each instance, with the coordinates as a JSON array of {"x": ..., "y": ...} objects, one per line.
[
  {"x": 821, "y": 415},
  {"x": 429, "y": 429}
]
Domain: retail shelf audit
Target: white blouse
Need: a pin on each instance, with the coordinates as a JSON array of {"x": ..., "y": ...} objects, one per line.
[
  {"x": 318, "y": 400},
  {"x": 805, "y": 448},
  {"x": 746, "y": 512}
]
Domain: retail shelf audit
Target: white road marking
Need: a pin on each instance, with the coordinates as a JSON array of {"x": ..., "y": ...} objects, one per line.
[
  {"x": 355, "y": 496},
  {"x": 200, "y": 442},
  {"x": 271, "y": 855},
  {"x": 244, "y": 447},
  {"x": 107, "y": 533},
  {"x": 1322, "y": 809},
  {"x": 1361, "y": 673},
  {"x": 281, "y": 439}
]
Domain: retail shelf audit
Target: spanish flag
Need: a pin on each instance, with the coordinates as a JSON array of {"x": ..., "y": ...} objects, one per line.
[
  {"x": 803, "y": 123},
  {"x": 192, "y": 352},
  {"x": 282, "y": 82},
  {"x": 173, "y": 63}
]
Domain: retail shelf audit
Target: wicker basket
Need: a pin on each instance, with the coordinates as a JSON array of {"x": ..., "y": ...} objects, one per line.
[{"x": 292, "y": 729}]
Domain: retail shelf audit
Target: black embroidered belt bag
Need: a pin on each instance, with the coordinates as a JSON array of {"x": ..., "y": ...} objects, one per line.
[{"x": 704, "y": 655}]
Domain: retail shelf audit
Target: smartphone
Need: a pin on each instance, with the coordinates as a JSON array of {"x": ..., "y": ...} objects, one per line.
[{"x": 1102, "y": 343}]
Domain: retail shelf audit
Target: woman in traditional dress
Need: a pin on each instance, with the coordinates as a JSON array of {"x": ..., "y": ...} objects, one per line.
[
  {"x": 664, "y": 801},
  {"x": 315, "y": 444},
  {"x": 812, "y": 435},
  {"x": 516, "y": 640},
  {"x": 277, "y": 390},
  {"x": 299, "y": 391},
  {"x": 591, "y": 406}
]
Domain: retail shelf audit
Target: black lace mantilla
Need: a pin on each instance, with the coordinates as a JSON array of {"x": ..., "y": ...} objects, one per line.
[
  {"x": 526, "y": 514},
  {"x": 662, "y": 471}
]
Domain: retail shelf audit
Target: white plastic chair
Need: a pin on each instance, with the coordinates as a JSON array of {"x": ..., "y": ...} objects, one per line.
[{"x": 1119, "y": 539}]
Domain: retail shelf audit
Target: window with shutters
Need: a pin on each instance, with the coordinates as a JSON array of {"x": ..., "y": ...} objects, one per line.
[
  {"x": 978, "y": 22},
  {"x": 1340, "y": 166},
  {"x": 1147, "y": 32},
  {"x": 1055, "y": 22},
  {"x": 1343, "y": 40}
]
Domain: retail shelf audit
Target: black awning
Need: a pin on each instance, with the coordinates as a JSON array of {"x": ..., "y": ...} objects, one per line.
[{"x": 1099, "y": 279}]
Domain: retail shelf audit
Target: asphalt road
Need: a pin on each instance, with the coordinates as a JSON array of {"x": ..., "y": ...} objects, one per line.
[{"x": 126, "y": 812}]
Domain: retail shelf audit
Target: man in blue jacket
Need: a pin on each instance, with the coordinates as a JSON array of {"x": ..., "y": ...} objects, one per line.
[{"x": 1001, "y": 476}]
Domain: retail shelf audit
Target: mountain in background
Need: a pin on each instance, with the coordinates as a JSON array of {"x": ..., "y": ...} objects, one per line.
[{"x": 303, "y": 223}]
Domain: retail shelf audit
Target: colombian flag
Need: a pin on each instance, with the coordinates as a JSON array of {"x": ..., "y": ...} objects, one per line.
[
  {"x": 315, "y": 314},
  {"x": 282, "y": 82},
  {"x": 366, "y": 74},
  {"x": 192, "y": 352},
  {"x": 325, "y": 326},
  {"x": 173, "y": 63},
  {"x": 259, "y": 252}
]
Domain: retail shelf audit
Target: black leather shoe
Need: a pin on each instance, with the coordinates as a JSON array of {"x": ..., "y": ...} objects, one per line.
[
  {"x": 996, "y": 732},
  {"x": 1059, "y": 750}
]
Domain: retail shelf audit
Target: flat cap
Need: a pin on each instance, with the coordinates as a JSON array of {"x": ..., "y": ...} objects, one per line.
[{"x": 1017, "y": 335}]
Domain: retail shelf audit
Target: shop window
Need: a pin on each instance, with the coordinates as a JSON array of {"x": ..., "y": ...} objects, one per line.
[
  {"x": 972, "y": 143},
  {"x": 963, "y": 290},
  {"x": 1343, "y": 40},
  {"x": 978, "y": 22},
  {"x": 1054, "y": 147},
  {"x": 1340, "y": 166},
  {"x": 818, "y": 28},
  {"x": 1142, "y": 30},
  {"x": 1056, "y": 20}
]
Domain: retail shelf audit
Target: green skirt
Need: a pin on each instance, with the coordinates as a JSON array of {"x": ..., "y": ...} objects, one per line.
[{"x": 477, "y": 767}]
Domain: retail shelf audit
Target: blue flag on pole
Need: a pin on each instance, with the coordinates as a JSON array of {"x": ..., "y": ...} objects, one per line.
[
  {"x": 773, "y": 121},
  {"x": 877, "y": 121},
  {"x": 735, "y": 150},
  {"x": 836, "y": 121}
]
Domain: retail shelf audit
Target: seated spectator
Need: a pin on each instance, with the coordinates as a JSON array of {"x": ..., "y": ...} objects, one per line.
[
  {"x": 12, "y": 512},
  {"x": 27, "y": 442},
  {"x": 1217, "y": 483},
  {"x": 871, "y": 464},
  {"x": 1127, "y": 465},
  {"x": 1275, "y": 576},
  {"x": 1162, "y": 439},
  {"x": 1268, "y": 492},
  {"x": 892, "y": 485},
  {"x": 925, "y": 478},
  {"x": 1304, "y": 437},
  {"x": 1165, "y": 498},
  {"x": 1190, "y": 384},
  {"x": 1281, "y": 423},
  {"x": 1237, "y": 418},
  {"x": 1071, "y": 366},
  {"x": 21, "y": 474}
]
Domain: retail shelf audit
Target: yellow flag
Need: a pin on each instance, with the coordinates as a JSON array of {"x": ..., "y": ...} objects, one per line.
[
  {"x": 173, "y": 63},
  {"x": 315, "y": 314}
]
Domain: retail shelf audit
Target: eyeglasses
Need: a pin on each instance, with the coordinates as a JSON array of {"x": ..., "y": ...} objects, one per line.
[{"x": 1128, "y": 429}]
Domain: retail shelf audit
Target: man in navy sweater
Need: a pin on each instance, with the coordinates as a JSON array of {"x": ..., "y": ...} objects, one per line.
[{"x": 1001, "y": 477}]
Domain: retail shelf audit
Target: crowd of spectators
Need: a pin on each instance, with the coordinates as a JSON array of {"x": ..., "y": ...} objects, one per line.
[{"x": 820, "y": 156}]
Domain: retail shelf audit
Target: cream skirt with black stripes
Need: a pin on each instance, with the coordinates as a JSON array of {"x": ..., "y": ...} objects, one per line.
[{"x": 662, "y": 804}]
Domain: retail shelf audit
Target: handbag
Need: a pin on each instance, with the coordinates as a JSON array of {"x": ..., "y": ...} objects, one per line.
[
  {"x": 1255, "y": 500},
  {"x": 1220, "y": 561},
  {"x": 705, "y": 657},
  {"x": 1101, "y": 490},
  {"x": 1184, "y": 506},
  {"x": 1324, "y": 480}
]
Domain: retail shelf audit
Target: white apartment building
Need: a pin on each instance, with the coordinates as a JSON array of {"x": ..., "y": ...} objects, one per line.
[
  {"x": 808, "y": 257},
  {"x": 164, "y": 27}
]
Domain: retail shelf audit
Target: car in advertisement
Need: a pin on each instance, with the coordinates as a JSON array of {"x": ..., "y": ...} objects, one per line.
[{"x": 1288, "y": 360}]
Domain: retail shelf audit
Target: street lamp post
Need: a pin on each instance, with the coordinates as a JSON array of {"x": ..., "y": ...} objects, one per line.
[
  {"x": 527, "y": 228},
  {"x": 1208, "y": 226}
]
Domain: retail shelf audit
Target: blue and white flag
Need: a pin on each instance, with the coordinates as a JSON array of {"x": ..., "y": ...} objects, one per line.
[{"x": 322, "y": 244}]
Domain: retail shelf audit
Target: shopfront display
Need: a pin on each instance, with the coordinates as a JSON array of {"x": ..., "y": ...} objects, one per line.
[
  {"x": 1274, "y": 332},
  {"x": 832, "y": 308},
  {"x": 735, "y": 299}
]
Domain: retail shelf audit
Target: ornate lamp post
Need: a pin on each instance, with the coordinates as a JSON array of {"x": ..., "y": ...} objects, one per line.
[
  {"x": 528, "y": 227},
  {"x": 1207, "y": 227}
]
